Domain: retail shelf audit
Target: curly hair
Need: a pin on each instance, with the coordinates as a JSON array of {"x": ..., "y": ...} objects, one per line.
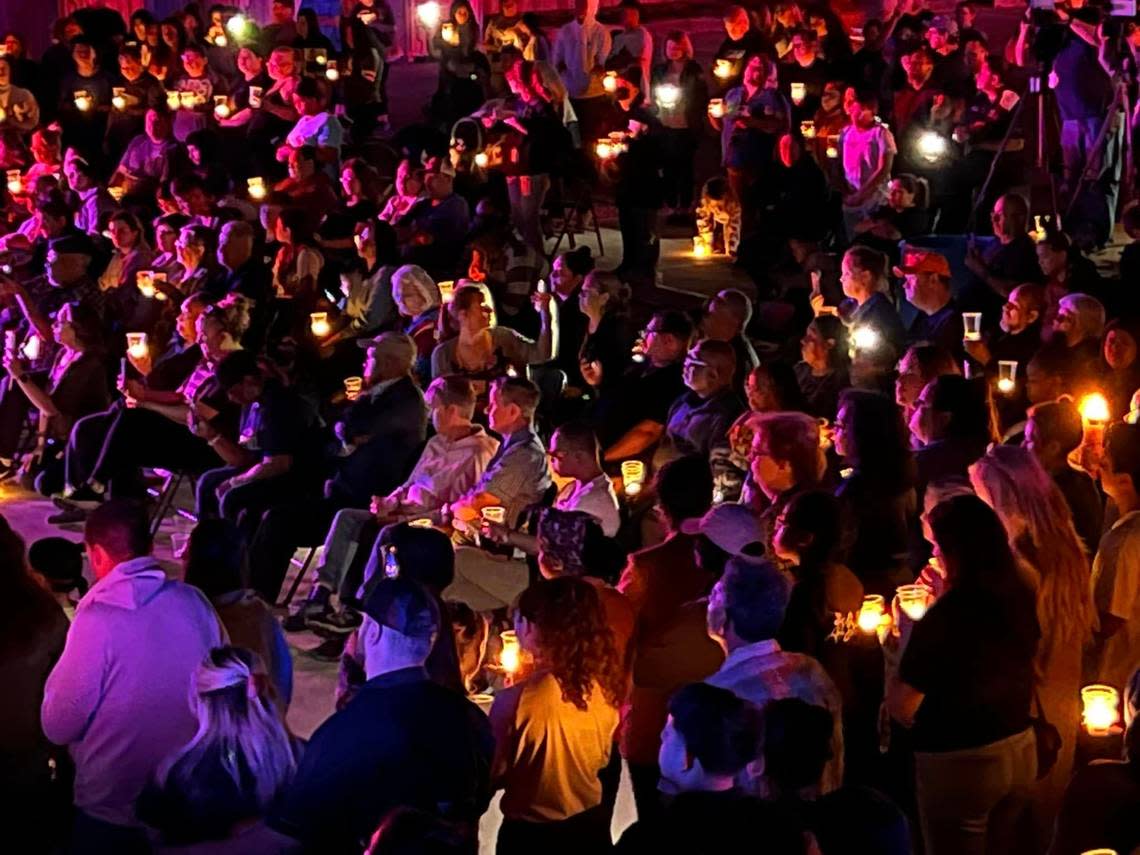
[{"x": 576, "y": 642}]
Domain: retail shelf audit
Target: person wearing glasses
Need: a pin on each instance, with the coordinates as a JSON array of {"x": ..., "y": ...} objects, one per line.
[{"x": 699, "y": 420}]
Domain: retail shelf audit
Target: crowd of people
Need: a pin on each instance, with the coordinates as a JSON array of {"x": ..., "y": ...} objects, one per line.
[{"x": 825, "y": 563}]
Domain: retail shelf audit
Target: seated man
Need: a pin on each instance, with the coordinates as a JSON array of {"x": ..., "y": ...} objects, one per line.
[
  {"x": 434, "y": 230},
  {"x": 927, "y": 287},
  {"x": 380, "y": 434},
  {"x": 727, "y": 319},
  {"x": 452, "y": 463},
  {"x": 433, "y": 751},
  {"x": 699, "y": 420},
  {"x": 275, "y": 455},
  {"x": 151, "y": 158}
]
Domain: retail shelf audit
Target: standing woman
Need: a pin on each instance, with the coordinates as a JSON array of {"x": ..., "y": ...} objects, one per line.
[
  {"x": 1054, "y": 564},
  {"x": 682, "y": 120},
  {"x": 567, "y": 274},
  {"x": 365, "y": 99},
  {"x": 964, "y": 686},
  {"x": 554, "y": 729}
]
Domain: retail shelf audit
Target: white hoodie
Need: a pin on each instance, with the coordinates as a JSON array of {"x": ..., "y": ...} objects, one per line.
[{"x": 119, "y": 697}]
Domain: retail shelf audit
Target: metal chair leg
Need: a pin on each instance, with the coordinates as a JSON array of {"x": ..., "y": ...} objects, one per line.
[
  {"x": 300, "y": 575},
  {"x": 165, "y": 500}
]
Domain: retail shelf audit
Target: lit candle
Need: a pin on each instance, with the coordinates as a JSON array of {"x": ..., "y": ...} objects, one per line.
[
  {"x": 330, "y": 71},
  {"x": 864, "y": 338},
  {"x": 319, "y": 324},
  {"x": 446, "y": 290},
  {"x": 604, "y": 149},
  {"x": 1007, "y": 376},
  {"x": 832, "y": 152},
  {"x": 1099, "y": 709},
  {"x": 428, "y": 14},
  {"x": 872, "y": 613},
  {"x": 1094, "y": 409},
  {"x": 320, "y": 57},
  {"x": 449, "y": 34},
  {"x": 610, "y": 82},
  {"x": 352, "y": 387},
  {"x": 220, "y": 40},
  {"x": 15, "y": 181},
  {"x": 701, "y": 248},
  {"x": 825, "y": 433},
  {"x": 117, "y": 192},
  {"x": 256, "y": 188},
  {"x": 221, "y": 107},
  {"x": 723, "y": 69},
  {"x": 807, "y": 129},
  {"x": 173, "y": 101},
  {"x": 632, "y": 476},
  {"x": 481, "y": 159},
  {"x": 32, "y": 347},
  {"x": 237, "y": 24},
  {"x": 799, "y": 92},
  {"x": 136, "y": 345},
  {"x": 511, "y": 655},
  {"x": 716, "y": 108},
  {"x": 972, "y": 326},
  {"x": 422, "y": 522},
  {"x": 255, "y": 97},
  {"x": 82, "y": 100},
  {"x": 119, "y": 97},
  {"x": 668, "y": 96},
  {"x": 144, "y": 281},
  {"x": 914, "y": 600},
  {"x": 187, "y": 100},
  {"x": 496, "y": 514}
]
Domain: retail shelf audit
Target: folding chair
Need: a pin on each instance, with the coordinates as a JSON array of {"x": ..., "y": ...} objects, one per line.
[
  {"x": 164, "y": 497},
  {"x": 304, "y": 569}
]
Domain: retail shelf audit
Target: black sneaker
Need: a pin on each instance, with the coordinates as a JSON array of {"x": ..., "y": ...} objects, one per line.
[
  {"x": 68, "y": 517},
  {"x": 330, "y": 623},
  {"x": 316, "y": 604},
  {"x": 329, "y": 651}
]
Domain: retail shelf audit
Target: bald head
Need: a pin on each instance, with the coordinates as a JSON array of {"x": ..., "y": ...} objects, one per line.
[
  {"x": 390, "y": 356},
  {"x": 728, "y": 315}
]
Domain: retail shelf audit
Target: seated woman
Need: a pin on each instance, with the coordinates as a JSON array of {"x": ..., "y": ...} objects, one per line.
[
  {"x": 1079, "y": 325},
  {"x": 76, "y": 386},
  {"x": 409, "y": 191},
  {"x": 131, "y": 255},
  {"x": 218, "y": 788},
  {"x": 418, "y": 301},
  {"x": 483, "y": 351},
  {"x": 1121, "y": 376},
  {"x": 822, "y": 373},
  {"x": 166, "y": 230},
  {"x": 902, "y": 216},
  {"x": 197, "y": 261}
]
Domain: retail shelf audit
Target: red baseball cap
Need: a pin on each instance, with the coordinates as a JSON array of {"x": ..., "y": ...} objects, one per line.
[{"x": 923, "y": 261}]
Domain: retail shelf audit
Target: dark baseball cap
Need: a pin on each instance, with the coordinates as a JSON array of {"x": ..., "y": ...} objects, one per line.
[{"x": 403, "y": 606}]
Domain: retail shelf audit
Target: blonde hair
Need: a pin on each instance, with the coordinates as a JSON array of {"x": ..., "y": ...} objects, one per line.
[
  {"x": 238, "y": 726},
  {"x": 1040, "y": 528}
]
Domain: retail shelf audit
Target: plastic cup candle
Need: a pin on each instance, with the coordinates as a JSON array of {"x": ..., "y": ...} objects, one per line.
[
  {"x": 255, "y": 97},
  {"x": 320, "y": 57},
  {"x": 446, "y": 290},
  {"x": 144, "y": 281},
  {"x": 319, "y": 324},
  {"x": 511, "y": 655},
  {"x": 449, "y": 34},
  {"x": 82, "y": 100},
  {"x": 972, "y": 326},
  {"x": 119, "y": 98},
  {"x": 220, "y": 40},
  {"x": 136, "y": 345},
  {"x": 668, "y": 96},
  {"x": 496, "y": 514},
  {"x": 236, "y": 25},
  {"x": 1007, "y": 376},
  {"x": 481, "y": 159},
  {"x": 32, "y": 348},
  {"x": 914, "y": 600},
  {"x": 609, "y": 82},
  {"x": 632, "y": 476},
  {"x": 331, "y": 72},
  {"x": 187, "y": 100},
  {"x": 807, "y": 129},
  {"x": 723, "y": 69},
  {"x": 1099, "y": 705},
  {"x": 428, "y": 14},
  {"x": 221, "y": 107},
  {"x": 422, "y": 522},
  {"x": 700, "y": 247},
  {"x": 604, "y": 150},
  {"x": 173, "y": 101},
  {"x": 716, "y": 108},
  {"x": 799, "y": 92},
  {"x": 15, "y": 181},
  {"x": 352, "y": 387},
  {"x": 871, "y": 613},
  {"x": 117, "y": 192},
  {"x": 1094, "y": 409},
  {"x": 832, "y": 152},
  {"x": 256, "y": 187}
]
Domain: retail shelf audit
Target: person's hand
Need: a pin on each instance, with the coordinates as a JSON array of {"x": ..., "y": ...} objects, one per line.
[
  {"x": 541, "y": 301},
  {"x": 974, "y": 262},
  {"x": 495, "y": 532},
  {"x": 201, "y": 428},
  {"x": 978, "y": 351},
  {"x": 381, "y": 506},
  {"x": 283, "y": 153},
  {"x": 142, "y": 364},
  {"x": 591, "y": 371},
  {"x": 14, "y": 366},
  {"x": 228, "y": 485},
  {"x": 133, "y": 388}
]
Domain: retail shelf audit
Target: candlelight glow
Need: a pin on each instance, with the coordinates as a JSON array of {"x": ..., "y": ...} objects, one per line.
[
  {"x": 82, "y": 101},
  {"x": 15, "y": 181},
  {"x": 428, "y": 14},
  {"x": 237, "y": 24},
  {"x": 331, "y": 72},
  {"x": 716, "y": 108},
  {"x": 807, "y": 129},
  {"x": 494, "y": 514},
  {"x": 1007, "y": 375},
  {"x": 446, "y": 290},
  {"x": 511, "y": 656},
  {"x": 799, "y": 92},
  {"x": 173, "y": 101},
  {"x": 604, "y": 149},
  {"x": 352, "y": 387},
  {"x": 932, "y": 146},
  {"x": 118, "y": 99},
  {"x": 422, "y": 522},
  {"x": 632, "y": 476},
  {"x": 136, "y": 345},
  {"x": 449, "y": 34},
  {"x": 1094, "y": 408},
  {"x": 1099, "y": 709},
  {"x": 668, "y": 96},
  {"x": 872, "y": 613},
  {"x": 221, "y": 107},
  {"x": 914, "y": 600},
  {"x": 220, "y": 40},
  {"x": 865, "y": 338},
  {"x": 481, "y": 159},
  {"x": 701, "y": 248},
  {"x": 723, "y": 69},
  {"x": 609, "y": 82},
  {"x": 256, "y": 187},
  {"x": 144, "y": 281},
  {"x": 319, "y": 324}
]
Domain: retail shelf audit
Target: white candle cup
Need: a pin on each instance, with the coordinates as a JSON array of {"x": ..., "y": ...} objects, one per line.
[
  {"x": 722, "y": 69},
  {"x": 83, "y": 101},
  {"x": 331, "y": 73},
  {"x": 481, "y": 159},
  {"x": 173, "y": 101},
  {"x": 1099, "y": 709},
  {"x": 799, "y": 93},
  {"x": 119, "y": 97},
  {"x": 716, "y": 108},
  {"x": 668, "y": 96},
  {"x": 914, "y": 600},
  {"x": 136, "y": 345},
  {"x": 807, "y": 129},
  {"x": 256, "y": 188},
  {"x": 15, "y": 181},
  {"x": 972, "y": 326},
  {"x": 221, "y": 106},
  {"x": 632, "y": 476},
  {"x": 352, "y": 387},
  {"x": 510, "y": 657},
  {"x": 255, "y": 96},
  {"x": 1007, "y": 376},
  {"x": 496, "y": 514},
  {"x": 610, "y": 82},
  {"x": 144, "y": 281},
  {"x": 187, "y": 100},
  {"x": 446, "y": 290},
  {"x": 871, "y": 613}
]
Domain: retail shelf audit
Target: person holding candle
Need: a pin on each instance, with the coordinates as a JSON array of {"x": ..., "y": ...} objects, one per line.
[
  {"x": 965, "y": 686},
  {"x": 872, "y": 322},
  {"x": 742, "y": 40},
  {"x": 553, "y": 798},
  {"x": 745, "y": 613},
  {"x": 196, "y": 87},
  {"x": 1041, "y": 533},
  {"x": 803, "y": 77},
  {"x": 681, "y": 123},
  {"x": 1115, "y": 574},
  {"x": 141, "y": 92},
  {"x": 822, "y": 372},
  {"x": 151, "y": 158},
  {"x": 84, "y": 129},
  {"x": 868, "y": 150},
  {"x": 1053, "y": 431},
  {"x": 95, "y": 204},
  {"x": 1079, "y": 326}
]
